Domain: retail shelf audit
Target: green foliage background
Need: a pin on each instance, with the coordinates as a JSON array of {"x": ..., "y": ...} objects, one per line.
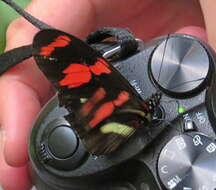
[{"x": 6, "y": 16}]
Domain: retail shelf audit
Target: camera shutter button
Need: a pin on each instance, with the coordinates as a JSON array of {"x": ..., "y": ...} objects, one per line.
[
  {"x": 60, "y": 147},
  {"x": 62, "y": 142}
]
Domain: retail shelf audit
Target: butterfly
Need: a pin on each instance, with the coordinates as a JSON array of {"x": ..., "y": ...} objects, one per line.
[{"x": 104, "y": 109}]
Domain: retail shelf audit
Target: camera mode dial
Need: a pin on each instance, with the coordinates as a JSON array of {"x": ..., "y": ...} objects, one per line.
[{"x": 187, "y": 162}]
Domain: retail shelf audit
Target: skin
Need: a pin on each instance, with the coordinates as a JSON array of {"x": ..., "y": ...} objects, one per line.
[{"x": 24, "y": 90}]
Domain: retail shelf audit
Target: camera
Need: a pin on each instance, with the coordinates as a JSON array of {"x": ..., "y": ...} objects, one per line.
[{"x": 178, "y": 152}]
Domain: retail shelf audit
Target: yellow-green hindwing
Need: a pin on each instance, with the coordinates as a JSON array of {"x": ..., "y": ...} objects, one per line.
[{"x": 117, "y": 128}]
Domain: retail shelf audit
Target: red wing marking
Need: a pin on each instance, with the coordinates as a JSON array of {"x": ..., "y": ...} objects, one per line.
[
  {"x": 106, "y": 109},
  {"x": 98, "y": 96},
  {"x": 103, "y": 112},
  {"x": 100, "y": 67},
  {"x": 121, "y": 99},
  {"x": 75, "y": 79},
  {"x": 60, "y": 41},
  {"x": 76, "y": 68},
  {"x": 79, "y": 74},
  {"x": 76, "y": 75}
]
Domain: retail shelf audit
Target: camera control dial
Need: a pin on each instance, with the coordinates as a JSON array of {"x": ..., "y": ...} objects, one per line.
[
  {"x": 179, "y": 66},
  {"x": 188, "y": 162}
]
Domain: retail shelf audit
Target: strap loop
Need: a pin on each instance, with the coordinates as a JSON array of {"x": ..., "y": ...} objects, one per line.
[{"x": 124, "y": 37}]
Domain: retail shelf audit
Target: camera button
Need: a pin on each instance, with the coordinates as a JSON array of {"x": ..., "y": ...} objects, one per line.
[{"x": 62, "y": 142}]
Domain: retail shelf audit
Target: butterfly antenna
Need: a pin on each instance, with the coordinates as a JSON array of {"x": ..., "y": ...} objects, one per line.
[{"x": 37, "y": 23}]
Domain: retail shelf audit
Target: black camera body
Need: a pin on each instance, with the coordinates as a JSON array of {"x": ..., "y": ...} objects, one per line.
[{"x": 178, "y": 151}]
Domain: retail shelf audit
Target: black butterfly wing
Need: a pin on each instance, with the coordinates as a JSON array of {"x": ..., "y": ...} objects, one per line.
[{"x": 104, "y": 109}]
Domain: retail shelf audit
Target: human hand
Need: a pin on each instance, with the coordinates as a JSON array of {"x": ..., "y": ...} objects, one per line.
[{"x": 24, "y": 90}]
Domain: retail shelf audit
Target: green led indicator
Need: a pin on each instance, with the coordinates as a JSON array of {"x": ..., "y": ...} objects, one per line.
[{"x": 181, "y": 110}]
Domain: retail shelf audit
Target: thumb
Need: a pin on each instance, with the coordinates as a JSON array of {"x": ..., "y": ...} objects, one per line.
[{"x": 75, "y": 17}]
